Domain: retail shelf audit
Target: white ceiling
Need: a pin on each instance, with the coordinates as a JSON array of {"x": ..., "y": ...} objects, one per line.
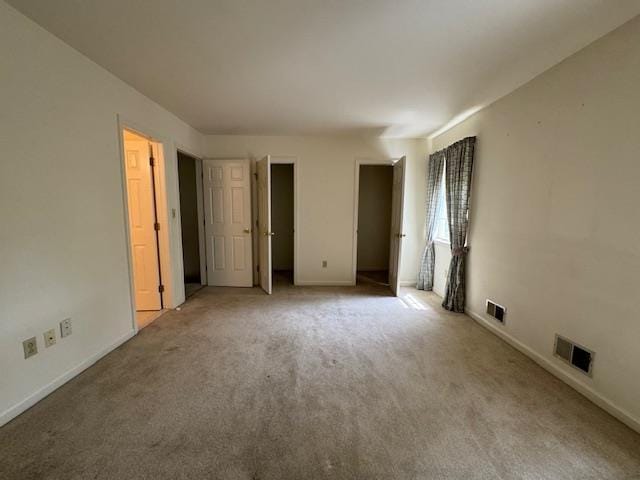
[{"x": 388, "y": 67}]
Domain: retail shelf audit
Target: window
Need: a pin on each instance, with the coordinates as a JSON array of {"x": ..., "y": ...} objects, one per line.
[{"x": 442, "y": 224}]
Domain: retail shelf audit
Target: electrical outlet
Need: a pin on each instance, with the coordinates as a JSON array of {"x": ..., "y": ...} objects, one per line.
[
  {"x": 49, "y": 338},
  {"x": 324, "y": 264},
  {"x": 30, "y": 347},
  {"x": 65, "y": 328}
]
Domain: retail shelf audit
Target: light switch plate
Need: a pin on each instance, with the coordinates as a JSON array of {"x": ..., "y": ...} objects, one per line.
[
  {"x": 65, "y": 328},
  {"x": 50, "y": 337},
  {"x": 30, "y": 347}
]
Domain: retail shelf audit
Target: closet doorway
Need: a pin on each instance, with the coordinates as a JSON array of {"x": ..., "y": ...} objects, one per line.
[
  {"x": 277, "y": 210},
  {"x": 147, "y": 224},
  {"x": 374, "y": 224},
  {"x": 378, "y": 222},
  {"x": 191, "y": 222},
  {"x": 282, "y": 224}
]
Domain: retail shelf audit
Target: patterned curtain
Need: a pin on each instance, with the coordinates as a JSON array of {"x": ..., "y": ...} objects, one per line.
[
  {"x": 459, "y": 158},
  {"x": 434, "y": 177}
]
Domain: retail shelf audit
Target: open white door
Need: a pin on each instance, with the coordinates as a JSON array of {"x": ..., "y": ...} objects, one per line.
[
  {"x": 264, "y": 222},
  {"x": 397, "y": 216},
  {"x": 227, "y": 226},
  {"x": 142, "y": 221}
]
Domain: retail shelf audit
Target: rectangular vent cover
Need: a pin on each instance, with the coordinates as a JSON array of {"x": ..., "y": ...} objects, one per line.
[
  {"x": 574, "y": 354},
  {"x": 496, "y": 311}
]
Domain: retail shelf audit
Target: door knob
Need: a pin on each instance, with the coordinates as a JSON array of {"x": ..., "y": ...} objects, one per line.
[
  {"x": 400, "y": 235},
  {"x": 269, "y": 234},
  {"x": 247, "y": 230}
]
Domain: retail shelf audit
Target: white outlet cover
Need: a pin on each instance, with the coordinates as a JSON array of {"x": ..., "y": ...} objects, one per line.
[
  {"x": 30, "y": 347},
  {"x": 49, "y": 337},
  {"x": 65, "y": 328}
]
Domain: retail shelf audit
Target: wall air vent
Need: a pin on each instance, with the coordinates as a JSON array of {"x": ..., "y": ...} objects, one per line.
[
  {"x": 575, "y": 355},
  {"x": 496, "y": 311}
]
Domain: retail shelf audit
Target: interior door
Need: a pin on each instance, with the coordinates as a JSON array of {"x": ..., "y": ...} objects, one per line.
[
  {"x": 264, "y": 222},
  {"x": 397, "y": 216},
  {"x": 142, "y": 219},
  {"x": 227, "y": 208}
]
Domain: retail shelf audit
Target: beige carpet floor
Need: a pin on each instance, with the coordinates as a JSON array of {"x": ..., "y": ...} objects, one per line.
[{"x": 315, "y": 383}]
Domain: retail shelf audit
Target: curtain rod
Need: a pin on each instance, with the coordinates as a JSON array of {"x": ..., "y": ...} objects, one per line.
[{"x": 471, "y": 137}]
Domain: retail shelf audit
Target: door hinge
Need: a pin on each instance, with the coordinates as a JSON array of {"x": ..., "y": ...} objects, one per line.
[
  {"x": 258, "y": 268},
  {"x": 156, "y": 227},
  {"x": 152, "y": 161},
  {"x": 161, "y": 288}
]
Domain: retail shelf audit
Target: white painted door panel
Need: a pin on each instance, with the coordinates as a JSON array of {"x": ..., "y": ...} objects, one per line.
[
  {"x": 264, "y": 222},
  {"x": 227, "y": 209},
  {"x": 144, "y": 249},
  {"x": 397, "y": 217}
]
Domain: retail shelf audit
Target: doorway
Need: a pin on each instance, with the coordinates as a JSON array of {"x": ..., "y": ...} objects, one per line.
[
  {"x": 226, "y": 187},
  {"x": 282, "y": 224},
  {"x": 374, "y": 224},
  {"x": 146, "y": 214},
  {"x": 286, "y": 198},
  {"x": 378, "y": 220},
  {"x": 188, "y": 168}
]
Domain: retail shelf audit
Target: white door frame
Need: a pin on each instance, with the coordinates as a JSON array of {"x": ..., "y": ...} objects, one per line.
[
  {"x": 292, "y": 160},
  {"x": 164, "y": 251},
  {"x": 265, "y": 260},
  {"x": 356, "y": 189},
  {"x": 202, "y": 252}
]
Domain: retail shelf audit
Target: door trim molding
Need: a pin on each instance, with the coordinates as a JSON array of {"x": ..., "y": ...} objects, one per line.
[
  {"x": 356, "y": 195},
  {"x": 165, "y": 145},
  {"x": 200, "y": 211}
]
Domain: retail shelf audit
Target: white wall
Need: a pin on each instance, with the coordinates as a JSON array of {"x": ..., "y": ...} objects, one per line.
[
  {"x": 374, "y": 217},
  {"x": 326, "y": 172},
  {"x": 554, "y": 225},
  {"x": 63, "y": 249}
]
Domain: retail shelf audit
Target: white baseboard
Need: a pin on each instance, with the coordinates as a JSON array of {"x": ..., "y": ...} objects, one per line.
[
  {"x": 582, "y": 388},
  {"x": 604, "y": 403},
  {"x": 34, "y": 398},
  {"x": 324, "y": 283},
  {"x": 408, "y": 283}
]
